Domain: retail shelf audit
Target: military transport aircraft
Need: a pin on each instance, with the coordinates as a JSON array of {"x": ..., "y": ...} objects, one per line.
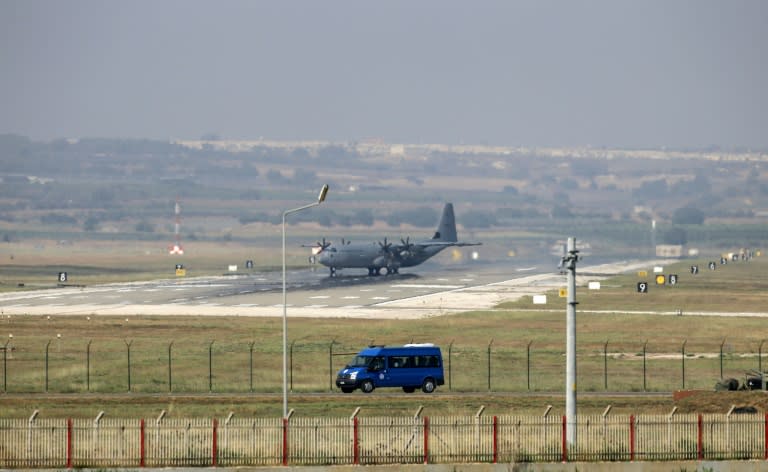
[{"x": 382, "y": 257}]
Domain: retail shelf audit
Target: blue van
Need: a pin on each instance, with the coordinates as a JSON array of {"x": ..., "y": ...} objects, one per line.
[{"x": 410, "y": 367}]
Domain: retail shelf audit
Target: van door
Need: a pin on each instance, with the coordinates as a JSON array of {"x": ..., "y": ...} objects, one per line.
[{"x": 401, "y": 372}]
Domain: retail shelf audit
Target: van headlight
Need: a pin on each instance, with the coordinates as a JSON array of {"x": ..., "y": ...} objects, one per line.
[{"x": 353, "y": 375}]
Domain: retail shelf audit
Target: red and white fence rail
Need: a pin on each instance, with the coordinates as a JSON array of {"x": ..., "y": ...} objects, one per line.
[{"x": 114, "y": 442}]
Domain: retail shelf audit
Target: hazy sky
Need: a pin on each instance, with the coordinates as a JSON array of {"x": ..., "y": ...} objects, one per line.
[{"x": 538, "y": 72}]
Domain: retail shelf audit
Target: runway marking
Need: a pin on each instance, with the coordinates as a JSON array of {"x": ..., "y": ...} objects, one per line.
[
  {"x": 447, "y": 287},
  {"x": 366, "y": 290},
  {"x": 280, "y": 305},
  {"x": 201, "y": 297},
  {"x": 123, "y": 290},
  {"x": 179, "y": 300},
  {"x": 350, "y": 297},
  {"x": 351, "y": 307},
  {"x": 380, "y": 298},
  {"x": 315, "y": 306},
  {"x": 247, "y": 304},
  {"x": 22, "y": 305},
  {"x": 321, "y": 296}
]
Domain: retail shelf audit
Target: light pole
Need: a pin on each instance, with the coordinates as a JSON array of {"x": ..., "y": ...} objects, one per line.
[{"x": 320, "y": 199}]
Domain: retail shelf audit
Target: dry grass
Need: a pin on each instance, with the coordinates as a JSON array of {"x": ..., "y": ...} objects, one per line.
[{"x": 735, "y": 288}]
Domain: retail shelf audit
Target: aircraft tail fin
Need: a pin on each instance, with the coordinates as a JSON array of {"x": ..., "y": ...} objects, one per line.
[{"x": 446, "y": 229}]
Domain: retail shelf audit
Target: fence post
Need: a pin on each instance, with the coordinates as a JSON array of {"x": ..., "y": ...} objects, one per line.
[
  {"x": 291, "y": 362},
  {"x": 721, "y": 359},
  {"x": 632, "y": 437},
  {"x": 330, "y": 365},
  {"x": 5, "y": 364},
  {"x": 605, "y": 365},
  {"x": 210, "y": 367},
  {"x": 765, "y": 437},
  {"x": 170, "y": 369},
  {"x": 563, "y": 441},
  {"x": 426, "y": 440},
  {"x": 88, "y": 366},
  {"x": 128, "y": 347},
  {"x": 250, "y": 363},
  {"x": 142, "y": 439},
  {"x": 528, "y": 363},
  {"x": 285, "y": 441},
  {"x": 700, "y": 439},
  {"x": 682, "y": 351},
  {"x": 450, "y": 348},
  {"x": 489, "y": 364},
  {"x": 69, "y": 443},
  {"x": 355, "y": 441},
  {"x": 215, "y": 451},
  {"x": 46, "y": 365},
  {"x": 645, "y": 346},
  {"x": 495, "y": 439}
]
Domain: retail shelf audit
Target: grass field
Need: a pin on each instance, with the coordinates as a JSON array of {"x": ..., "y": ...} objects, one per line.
[{"x": 88, "y": 363}]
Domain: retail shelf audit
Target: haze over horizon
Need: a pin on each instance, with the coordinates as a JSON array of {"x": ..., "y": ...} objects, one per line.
[{"x": 540, "y": 73}]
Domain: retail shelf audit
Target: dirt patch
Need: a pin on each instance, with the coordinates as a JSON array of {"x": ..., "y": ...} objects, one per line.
[{"x": 693, "y": 401}]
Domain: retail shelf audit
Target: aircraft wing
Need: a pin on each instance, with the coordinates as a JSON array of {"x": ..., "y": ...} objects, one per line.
[{"x": 444, "y": 244}]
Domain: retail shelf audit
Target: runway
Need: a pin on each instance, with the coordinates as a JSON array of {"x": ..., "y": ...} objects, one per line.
[{"x": 433, "y": 290}]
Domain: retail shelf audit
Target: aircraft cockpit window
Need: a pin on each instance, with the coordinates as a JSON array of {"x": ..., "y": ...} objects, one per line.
[{"x": 333, "y": 249}]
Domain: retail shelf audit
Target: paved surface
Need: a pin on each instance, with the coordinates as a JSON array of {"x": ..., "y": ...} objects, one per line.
[{"x": 435, "y": 290}]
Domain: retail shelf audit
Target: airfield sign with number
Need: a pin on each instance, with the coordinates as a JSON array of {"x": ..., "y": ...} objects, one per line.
[{"x": 672, "y": 279}]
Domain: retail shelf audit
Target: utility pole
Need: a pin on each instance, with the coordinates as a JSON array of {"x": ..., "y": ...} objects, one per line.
[{"x": 569, "y": 262}]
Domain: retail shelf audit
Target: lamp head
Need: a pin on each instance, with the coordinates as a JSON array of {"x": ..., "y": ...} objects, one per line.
[{"x": 323, "y": 193}]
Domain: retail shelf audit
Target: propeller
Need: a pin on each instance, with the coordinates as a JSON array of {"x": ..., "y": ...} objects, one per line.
[
  {"x": 385, "y": 245},
  {"x": 407, "y": 245},
  {"x": 318, "y": 247},
  {"x": 324, "y": 244}
]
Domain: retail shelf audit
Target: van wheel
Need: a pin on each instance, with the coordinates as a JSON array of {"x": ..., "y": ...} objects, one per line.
[
  {"x": 409, "y": 389},
  {"x": 366, "y": 386},
  {"x": 428, "y": 386},
  {"x": 347, "y": 389}
]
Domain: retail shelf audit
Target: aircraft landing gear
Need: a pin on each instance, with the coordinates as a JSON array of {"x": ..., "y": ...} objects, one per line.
[
  {"x": 375, "y": 271},
  {"x": 333, "y": 272}
]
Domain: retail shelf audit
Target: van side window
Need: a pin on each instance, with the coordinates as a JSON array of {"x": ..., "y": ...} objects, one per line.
[
  {"x": 397, "y": 362},
  {"x": 377, "y": 363},
  {"x": 433, "y": 362}
]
